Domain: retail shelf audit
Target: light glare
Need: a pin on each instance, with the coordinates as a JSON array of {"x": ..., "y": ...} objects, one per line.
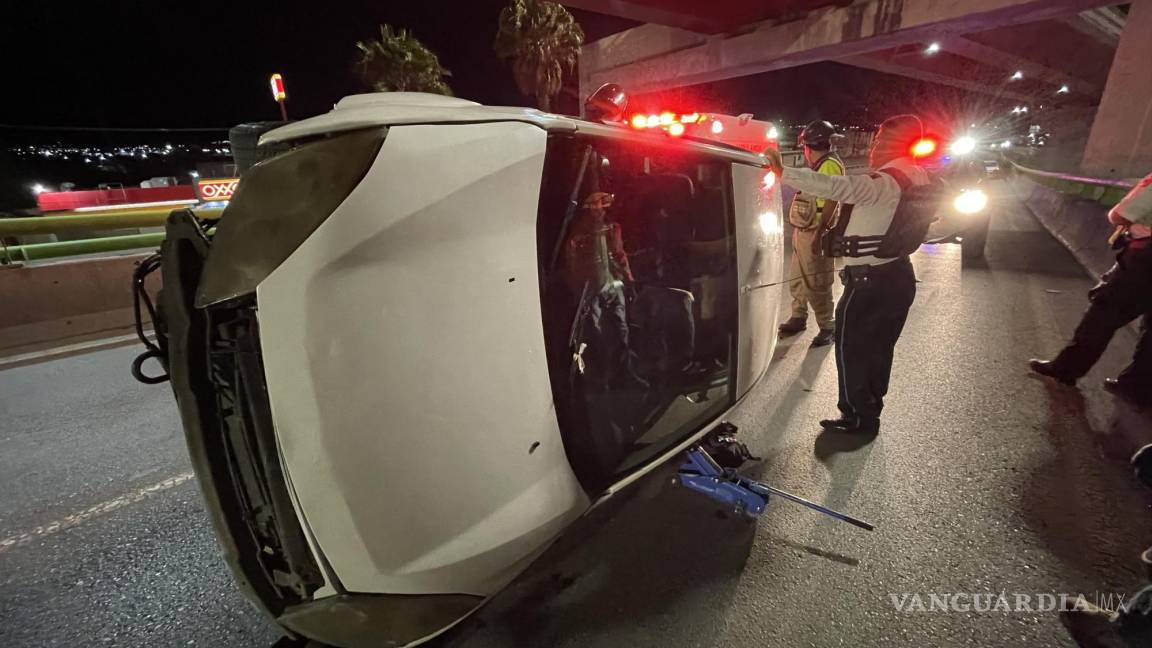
[
  {"x": 963, "y": 145},
  {"x": 971, "y": 201},
  {"x": 770, "y": 223}
]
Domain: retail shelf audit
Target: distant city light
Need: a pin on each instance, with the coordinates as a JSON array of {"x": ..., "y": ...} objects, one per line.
[
  {"x": 1017, "y": 75},
  {"x": 1063, "y": 89},
  {"x": 773, "y": 133},
  {"x": 38, "y": 189},
  {"x": 932, "y": 48}
]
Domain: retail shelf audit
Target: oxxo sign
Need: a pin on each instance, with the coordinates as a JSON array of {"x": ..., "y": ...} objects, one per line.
[{"x": 216, "y": 189}]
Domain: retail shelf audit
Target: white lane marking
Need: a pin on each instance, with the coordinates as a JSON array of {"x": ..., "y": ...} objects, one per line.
[{"x": 102, "y": 508}]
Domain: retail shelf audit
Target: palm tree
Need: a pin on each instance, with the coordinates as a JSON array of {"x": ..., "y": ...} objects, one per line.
[
  {"x": 543, "y": 40},
  {"x": 398, "y": 62}
]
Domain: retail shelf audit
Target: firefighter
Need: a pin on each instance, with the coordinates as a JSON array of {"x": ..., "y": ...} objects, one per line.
[
  {"x": 812, "y": 274},
  {"x": 1124, "y": 293},
  {"x": 878, "y": 292}
]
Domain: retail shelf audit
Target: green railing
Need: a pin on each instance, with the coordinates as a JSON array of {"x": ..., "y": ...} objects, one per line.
[
  {"x": 40, "y": 251},
  {"x": 41, "y": 225},
  {"x": 1104, "y": 191}
]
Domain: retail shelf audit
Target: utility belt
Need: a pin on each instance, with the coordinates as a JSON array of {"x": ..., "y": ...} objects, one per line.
[
  {"x": 862, "y": 276},
  {"x": 837, "y": 245}
]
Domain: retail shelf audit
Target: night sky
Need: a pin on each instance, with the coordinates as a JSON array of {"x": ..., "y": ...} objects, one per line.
[
  {"x": 195, "y": 64},
  {"x": 137, "y": 64}
]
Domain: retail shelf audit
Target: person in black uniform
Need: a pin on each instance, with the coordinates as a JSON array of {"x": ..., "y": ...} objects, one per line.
[
  {"x": 878, "y": 292},
  {"x": 1124, "y": 293}
]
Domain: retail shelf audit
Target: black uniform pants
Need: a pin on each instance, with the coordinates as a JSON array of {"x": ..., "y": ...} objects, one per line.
[
  {"x": 869, "y": 318},
  {"x": 1124, "y": 293}
]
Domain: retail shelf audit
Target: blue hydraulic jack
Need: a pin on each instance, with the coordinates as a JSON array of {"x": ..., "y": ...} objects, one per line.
[{"x": 746, "y": 497}]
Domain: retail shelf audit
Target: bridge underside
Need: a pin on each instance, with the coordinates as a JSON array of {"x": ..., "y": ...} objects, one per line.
[{"x": 1057, "y": 52}]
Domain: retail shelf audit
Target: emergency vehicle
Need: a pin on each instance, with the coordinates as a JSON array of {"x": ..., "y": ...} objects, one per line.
[
  {"x": 430, "y": 335},
  {"x": 741, "y": 131}
]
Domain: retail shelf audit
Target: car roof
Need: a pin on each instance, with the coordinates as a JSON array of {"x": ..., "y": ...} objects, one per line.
[{"x": 399, "y": 108}]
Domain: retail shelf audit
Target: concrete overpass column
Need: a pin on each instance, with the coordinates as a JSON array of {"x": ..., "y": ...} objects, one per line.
[{"x": 1120, "y": 144}]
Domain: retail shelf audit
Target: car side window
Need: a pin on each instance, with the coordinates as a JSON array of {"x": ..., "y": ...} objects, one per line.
[{"x": 639, "y": 298}]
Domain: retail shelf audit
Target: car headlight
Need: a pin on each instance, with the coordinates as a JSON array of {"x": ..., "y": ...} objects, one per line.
[{"x": 970, "y": 201}]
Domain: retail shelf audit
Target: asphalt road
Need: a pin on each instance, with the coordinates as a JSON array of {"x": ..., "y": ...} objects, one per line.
[{"x": 983, "y": 480}]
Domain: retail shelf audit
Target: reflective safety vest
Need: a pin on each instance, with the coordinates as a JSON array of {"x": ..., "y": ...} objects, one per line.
[{"x": 807, "y": 213}]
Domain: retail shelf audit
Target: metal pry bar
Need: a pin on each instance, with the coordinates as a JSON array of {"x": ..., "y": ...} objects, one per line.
[{"x": 746, "y": 496}]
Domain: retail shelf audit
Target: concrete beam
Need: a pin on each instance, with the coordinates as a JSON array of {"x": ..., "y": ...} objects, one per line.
[
  {"x": 1009, "y": 62},
  {"x": 893, "y": 66},
  {"x": 828, "y": 34},
  {"x": 645, "y": 12},
  {"x": 1055, "y": 45},
  {"x": 1120, "y": 144},
  {"x": 1104, "y": 24}
]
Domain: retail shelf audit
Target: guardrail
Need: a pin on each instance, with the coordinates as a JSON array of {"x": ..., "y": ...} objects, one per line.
[
  {"x": 85, "y": 223},
  {"x": 39, "y": 251},
  {"x": 1104, "y": 191}
]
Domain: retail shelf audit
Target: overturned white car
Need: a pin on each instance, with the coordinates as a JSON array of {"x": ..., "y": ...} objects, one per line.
[{"x": 429, "y": 336}]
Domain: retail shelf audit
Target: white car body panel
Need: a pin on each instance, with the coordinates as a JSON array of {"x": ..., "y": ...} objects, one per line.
[
  {"x": 760, "y": 263},
  {"x": 397, "y": 108},
  {"x": 407, "y": 325}
]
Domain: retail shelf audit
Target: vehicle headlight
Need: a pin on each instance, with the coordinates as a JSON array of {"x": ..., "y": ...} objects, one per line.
[{"x": 970, "y": 201}]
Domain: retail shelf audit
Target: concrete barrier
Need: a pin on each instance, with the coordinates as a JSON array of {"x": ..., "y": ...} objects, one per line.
[
  {"x": 66, "y": 302},
  {"x": 1074, "y": 209}
]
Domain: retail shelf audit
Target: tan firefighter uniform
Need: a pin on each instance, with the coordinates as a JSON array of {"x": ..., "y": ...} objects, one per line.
[{"x": 813, "y": 275}]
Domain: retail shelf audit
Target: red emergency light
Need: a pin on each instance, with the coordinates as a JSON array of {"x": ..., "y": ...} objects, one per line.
[
  {"x": 666, "y": 119},
  {"x": 277, "y": 83},
  {"x": 923, "y": 147}
]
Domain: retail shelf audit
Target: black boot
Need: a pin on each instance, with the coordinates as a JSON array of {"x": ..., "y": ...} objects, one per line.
[
  {"x": 793, "y": 326},
  {"x": 852, "y": 424},
  {"x": 824, "y": 337},
  {"x": 1142, "y": 465},
  {"x": 1127, "y": 392},
  {"x": 1092, "y": 627},
  {"x": 1048, "y": 369}
]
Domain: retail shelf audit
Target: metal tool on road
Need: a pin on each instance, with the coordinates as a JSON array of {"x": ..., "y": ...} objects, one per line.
[{"x": 745, "y": 496}]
